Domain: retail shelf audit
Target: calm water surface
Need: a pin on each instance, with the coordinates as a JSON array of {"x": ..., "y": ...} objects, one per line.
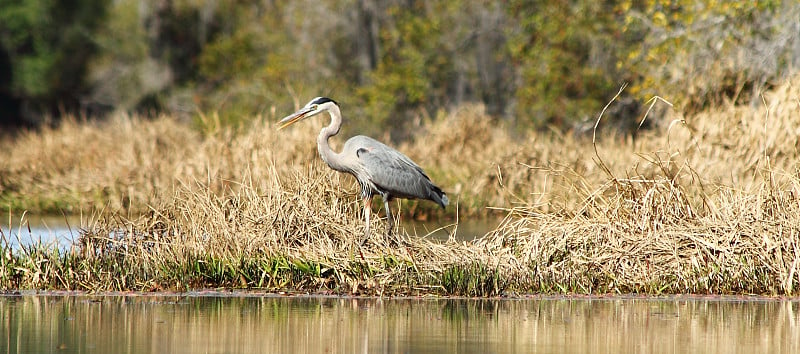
[
  {"x": 274, "y": 324},
  {"x": 48, "y": 229}
]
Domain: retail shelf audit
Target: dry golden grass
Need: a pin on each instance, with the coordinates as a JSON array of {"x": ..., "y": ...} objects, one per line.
[
  {"x": 119, "y": 164},
  {"x": 701, "y": 204},
  {"x": 298, "y": 232},
  {"x": 707, "y": 205}
]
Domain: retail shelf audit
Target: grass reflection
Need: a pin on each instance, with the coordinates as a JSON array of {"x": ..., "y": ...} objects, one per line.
[{"x": 215, "y": 324}]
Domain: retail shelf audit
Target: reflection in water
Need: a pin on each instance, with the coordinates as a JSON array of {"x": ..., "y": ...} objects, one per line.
[{"x": 116, "y": 324}]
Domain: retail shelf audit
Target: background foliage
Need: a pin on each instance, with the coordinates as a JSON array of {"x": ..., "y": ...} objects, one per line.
[{"x": 390, "y": 63}]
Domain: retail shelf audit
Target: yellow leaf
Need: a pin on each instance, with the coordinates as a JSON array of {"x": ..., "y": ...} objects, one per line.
[{"x": 659, "y": 19}]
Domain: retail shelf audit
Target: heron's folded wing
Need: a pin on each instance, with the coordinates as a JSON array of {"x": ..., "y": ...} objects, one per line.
[{"x": 395, "y": 173}]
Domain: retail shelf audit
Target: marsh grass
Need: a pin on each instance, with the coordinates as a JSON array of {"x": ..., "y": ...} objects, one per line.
[
  {"x": 712, "y": 208},
  {"x": 705, "y": 204}
]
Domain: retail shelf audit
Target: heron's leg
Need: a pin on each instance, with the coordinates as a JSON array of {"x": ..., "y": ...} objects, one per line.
[
  {"x": 367, "y": 210},
  {"x": 389, "y": 218}
]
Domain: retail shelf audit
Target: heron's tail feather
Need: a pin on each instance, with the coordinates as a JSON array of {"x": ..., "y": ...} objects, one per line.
[{"x": 439, "y": 197}]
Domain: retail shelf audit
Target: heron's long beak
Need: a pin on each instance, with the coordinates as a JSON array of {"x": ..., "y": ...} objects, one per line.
[{"x": 295, "y": 117}]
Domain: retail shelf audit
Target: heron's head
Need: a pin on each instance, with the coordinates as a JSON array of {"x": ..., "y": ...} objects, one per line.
[{"x": 312, "y": 108}]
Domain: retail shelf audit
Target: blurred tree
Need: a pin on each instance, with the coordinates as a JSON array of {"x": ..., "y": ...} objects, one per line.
[
  {"x": 563, "y": 52},
  {"x": 700, "y": 53},
  {"x": 436, "y": 55},
  {"x": 390, "y": 63},
  {"x": 125, "y": 73},
  {"x": 410, "y": 65},
  {"x": 273, "y": 55},
  {"x": 46, "y": 45},
  {"x": 149, "y": 53}
]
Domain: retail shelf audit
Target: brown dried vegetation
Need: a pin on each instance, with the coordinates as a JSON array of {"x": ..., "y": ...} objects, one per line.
[{"x": 703, "y": 204}]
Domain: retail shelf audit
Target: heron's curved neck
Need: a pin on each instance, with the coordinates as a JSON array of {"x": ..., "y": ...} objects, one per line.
[{"x": 332, "y": 158}]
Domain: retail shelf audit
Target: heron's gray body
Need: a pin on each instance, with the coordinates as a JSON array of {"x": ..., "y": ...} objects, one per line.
[
  {"x": 377, "y": 167},
  {"x": 386, "y": 171}
]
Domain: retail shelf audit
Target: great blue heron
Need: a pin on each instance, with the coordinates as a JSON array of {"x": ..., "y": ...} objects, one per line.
[{"x": 377, "y": 167}]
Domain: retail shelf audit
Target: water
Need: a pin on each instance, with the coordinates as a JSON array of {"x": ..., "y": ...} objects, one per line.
[
  {"x": 464, "y": 230},
  {"x": 30, "y": 229},
  {"x": 284, "y": 324}
]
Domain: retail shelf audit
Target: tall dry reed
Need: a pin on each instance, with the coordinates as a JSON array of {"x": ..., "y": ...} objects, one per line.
[{"x": 709, "y": 204}]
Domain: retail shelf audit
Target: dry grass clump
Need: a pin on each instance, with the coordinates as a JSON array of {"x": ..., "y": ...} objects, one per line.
[
  {"x": 483, "y": 164},
  {"x": 118, "y": 164},
  {"x": 729, "y": 146},
  {"x": 649, "y": 239},
  {"x": 128, "y": 164},
  {"x": 289, "y": 234},
  {"x": 714, "y": 207}
]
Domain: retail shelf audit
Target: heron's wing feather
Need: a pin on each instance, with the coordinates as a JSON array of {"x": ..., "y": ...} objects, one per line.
[{"x": 392, "y": 171}]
